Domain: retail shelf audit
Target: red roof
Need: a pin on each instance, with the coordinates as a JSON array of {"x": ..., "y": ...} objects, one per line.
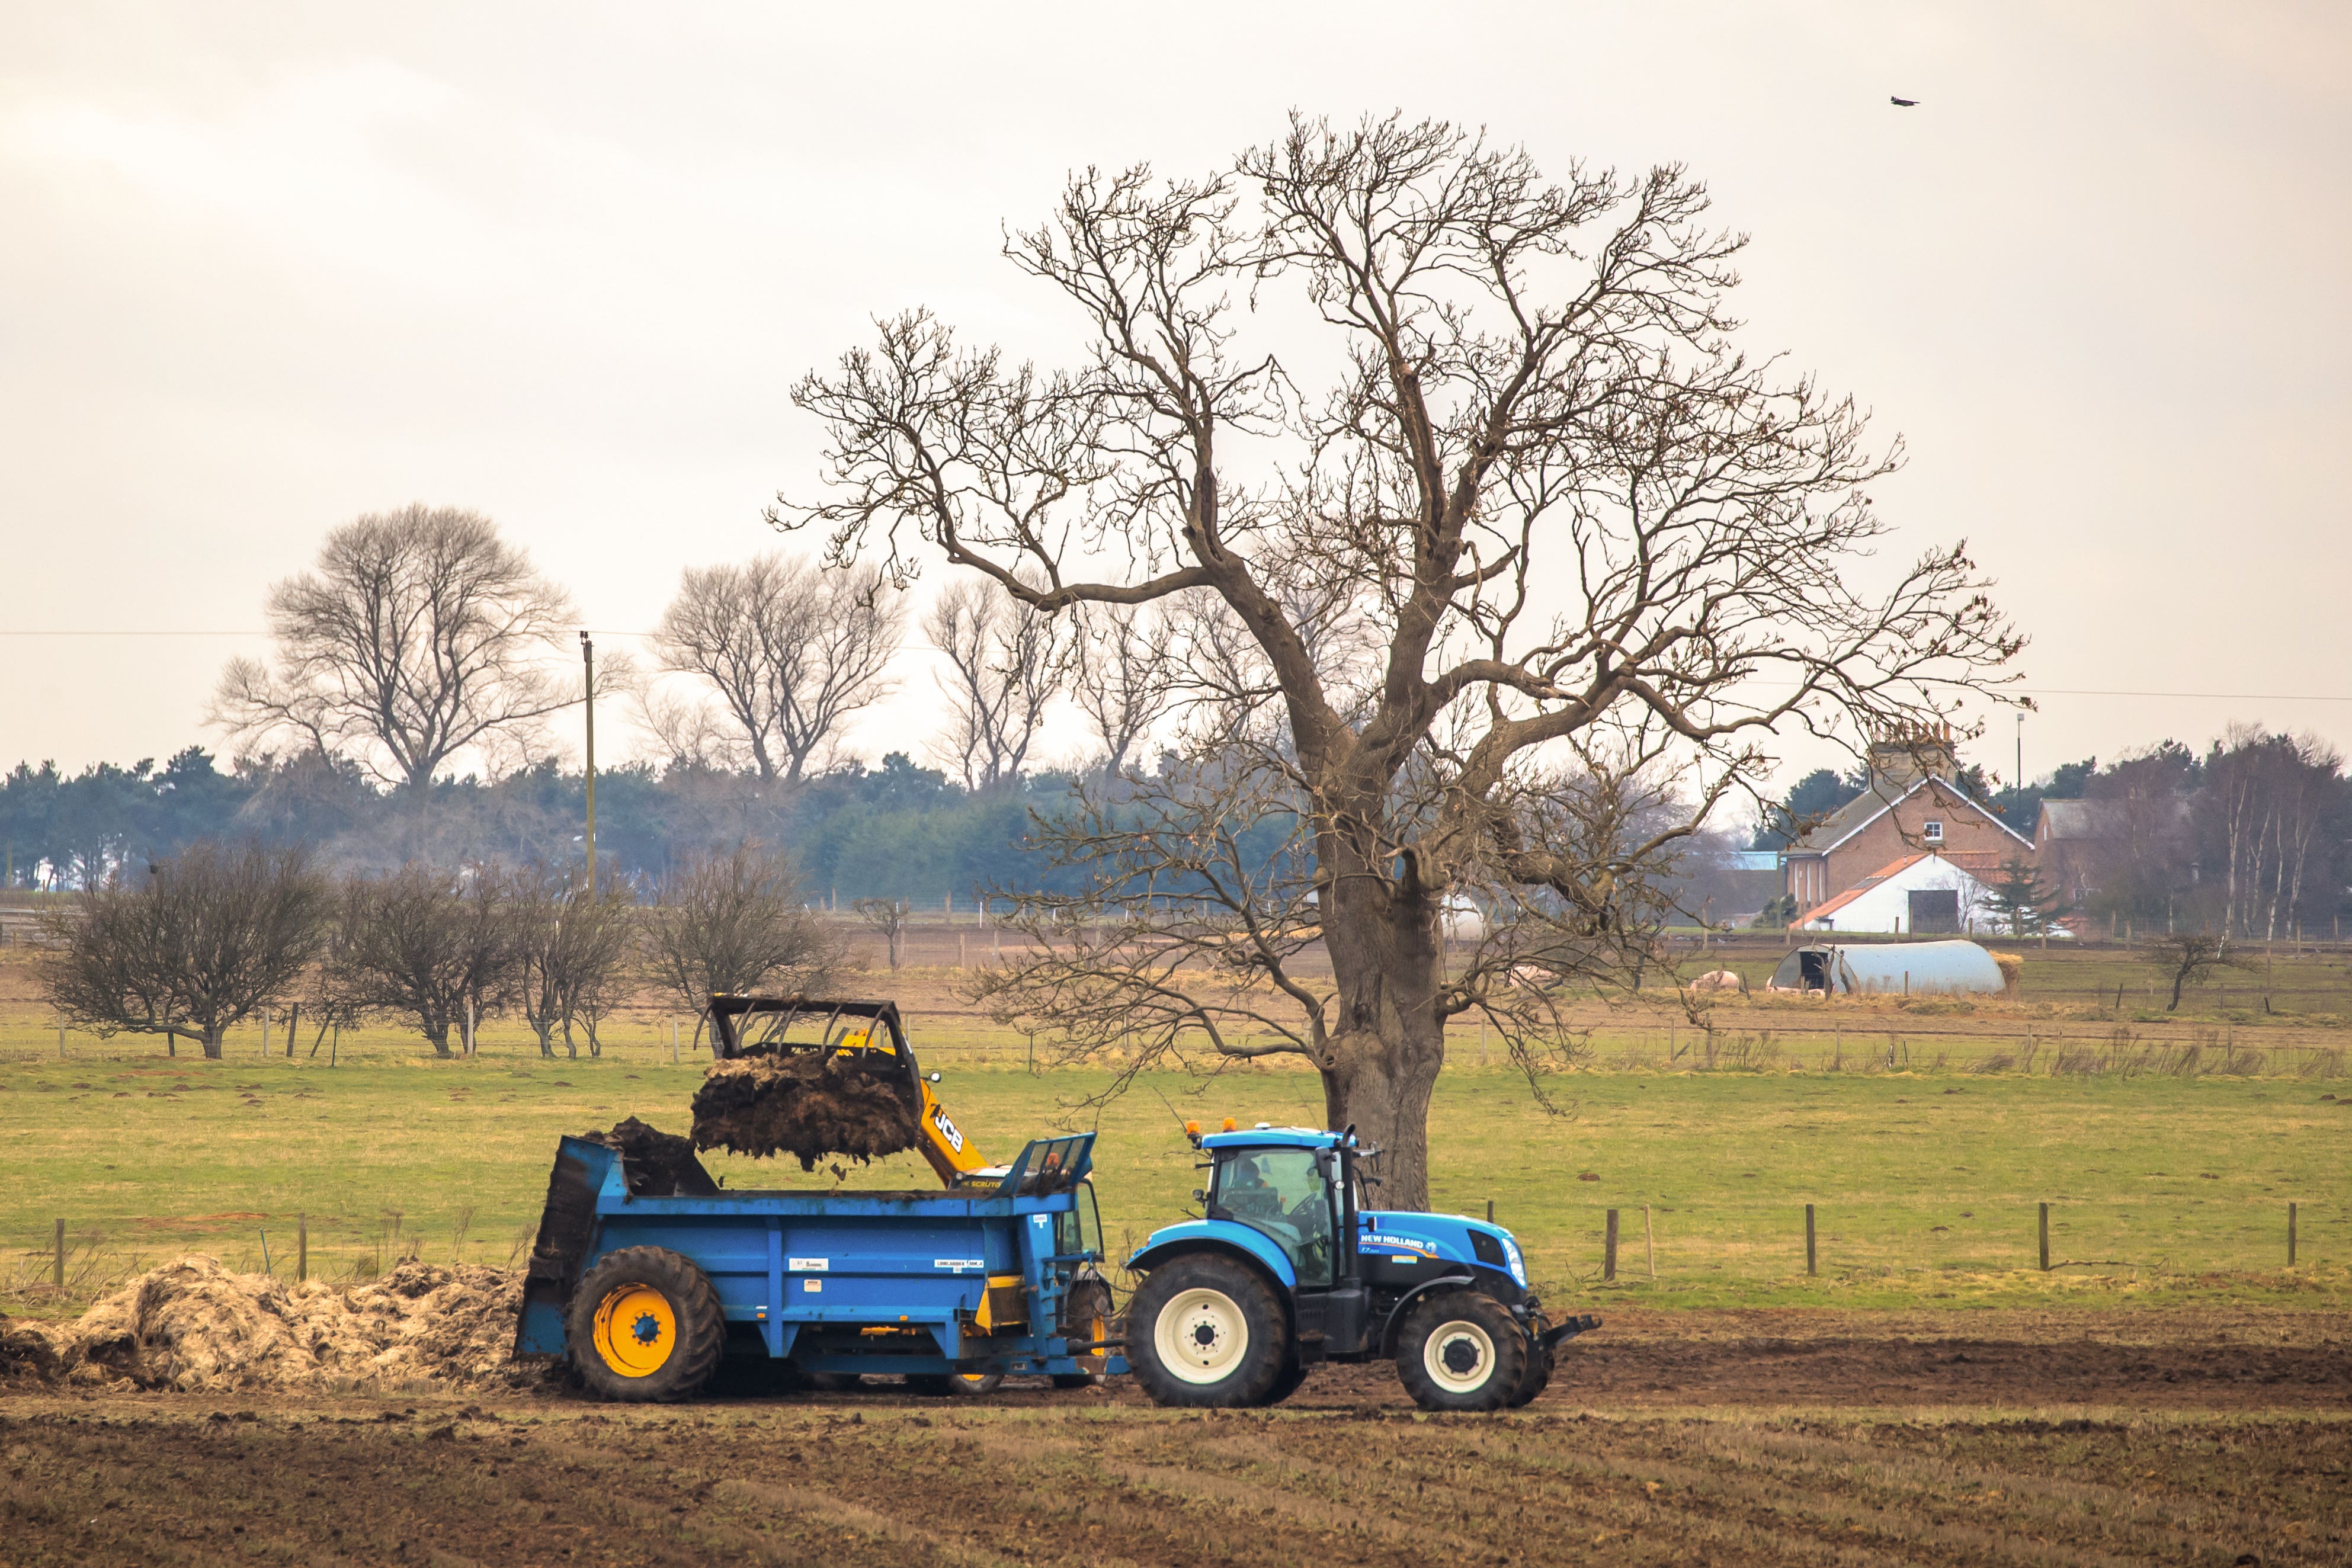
[{"x": 1865, "y": 885}]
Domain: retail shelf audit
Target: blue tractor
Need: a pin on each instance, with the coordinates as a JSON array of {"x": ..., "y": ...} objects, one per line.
[{"x": 1289, "y": 1267}]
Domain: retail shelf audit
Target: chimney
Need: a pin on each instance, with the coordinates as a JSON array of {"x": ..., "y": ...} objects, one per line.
[{"x": 1900, "y": 757}]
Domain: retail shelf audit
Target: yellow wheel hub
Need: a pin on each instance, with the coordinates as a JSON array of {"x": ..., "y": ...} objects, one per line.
[{"x": 635, "y": 1330}]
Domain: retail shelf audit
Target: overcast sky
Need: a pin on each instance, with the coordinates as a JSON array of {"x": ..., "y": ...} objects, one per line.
[{"x": 268, "y": 267}]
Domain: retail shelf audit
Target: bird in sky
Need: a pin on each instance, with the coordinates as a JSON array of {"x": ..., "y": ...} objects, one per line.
[{"x": 1903, "y": 102}]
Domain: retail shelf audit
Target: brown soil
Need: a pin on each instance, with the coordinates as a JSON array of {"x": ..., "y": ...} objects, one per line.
[
  {"x": 657, "y": 1164},
  {"x": 192, "y": 1325},
  {"x": 808, "y": 1106},
  {"x": 1037, "y": 1477}
]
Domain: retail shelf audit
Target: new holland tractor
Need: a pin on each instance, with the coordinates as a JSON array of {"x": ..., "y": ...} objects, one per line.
[{"x": 1288, "y": 1267}]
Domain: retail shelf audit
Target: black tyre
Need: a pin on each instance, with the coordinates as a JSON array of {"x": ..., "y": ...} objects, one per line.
[
  {"x": 1086, "y": 1319},
  {"x": 1207, "y": 1329},
  {"x": 1293, "y": 1374},
  {"x": 1537, "y": 1375},
  {"x": 1459, "y": 1350},
  {"x": 644, "y": 1326}
]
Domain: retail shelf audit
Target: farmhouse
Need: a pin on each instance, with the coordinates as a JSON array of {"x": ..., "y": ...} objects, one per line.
[
  {"x": 2083, "y": 845},
  {"x": 1914, "y": 805},
  {"x": 1917, "y": 894}
]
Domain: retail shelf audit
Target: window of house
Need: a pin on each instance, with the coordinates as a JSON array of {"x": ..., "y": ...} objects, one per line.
[{"x": 1935, "y": 834}]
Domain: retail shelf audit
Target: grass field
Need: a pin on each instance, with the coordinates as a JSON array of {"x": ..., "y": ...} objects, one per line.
[{"x": 1926, "y": 1181}]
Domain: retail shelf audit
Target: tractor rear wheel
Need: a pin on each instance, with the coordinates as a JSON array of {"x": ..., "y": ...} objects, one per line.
[
  {"x": 1460, "y": 1350},
  {"x": 1207, "y": 1329},
  {"x": 644, "y": 1326}
]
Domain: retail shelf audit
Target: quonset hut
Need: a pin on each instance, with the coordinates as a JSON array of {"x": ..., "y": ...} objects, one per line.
[{"x": 1914, "y": 969}]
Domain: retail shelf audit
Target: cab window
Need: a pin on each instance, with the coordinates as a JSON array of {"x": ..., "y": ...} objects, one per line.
[{"x": 1285, "y": 1196}]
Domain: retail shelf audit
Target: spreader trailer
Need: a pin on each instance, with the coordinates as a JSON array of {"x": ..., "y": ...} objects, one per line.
[
  {"x": 645, "y": 1294},
  {"x": 1289, "y": 1267}
]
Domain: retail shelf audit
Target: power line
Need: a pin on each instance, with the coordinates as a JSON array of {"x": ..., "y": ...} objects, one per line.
[{"x": 624, "y": 631}]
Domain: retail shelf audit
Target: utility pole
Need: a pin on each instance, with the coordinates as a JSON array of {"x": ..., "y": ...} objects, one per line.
[
  {"x": 2021, "y": 751},
  {"x": 588, "y": 696}
]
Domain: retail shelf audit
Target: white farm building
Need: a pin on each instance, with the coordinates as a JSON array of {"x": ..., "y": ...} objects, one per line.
[{"x": 1920, "y": 894}]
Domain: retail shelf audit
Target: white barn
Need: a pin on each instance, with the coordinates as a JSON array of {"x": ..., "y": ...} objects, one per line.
[{"x": 1921, "y": 895}]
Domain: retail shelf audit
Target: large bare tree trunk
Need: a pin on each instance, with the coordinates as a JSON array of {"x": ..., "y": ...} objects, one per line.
[{"x": 1387, "y": 1043}]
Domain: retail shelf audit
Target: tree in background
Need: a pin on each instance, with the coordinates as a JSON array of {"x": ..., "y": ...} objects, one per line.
[
  {"x": 1545, "y": 549},
  {"x": 420, "y": 635},
  {"x": 1124, "y": 673},
  {"x": 887, "y": 916},
  {"x": 737, "y": 922},
  {"x": 215, "y": 936},
  {"x": 2190, "y": 957},
  {"x": 572, "y": 951},
  {"x": 1005, "y": 663},
  {"x": 426, "y": 944},
  {"x": 2019, "y": 900},
  {"x": 1810, "y": 800},
  {"x": 782, "y": 655},
  {"x": 2269, "y": 822}
]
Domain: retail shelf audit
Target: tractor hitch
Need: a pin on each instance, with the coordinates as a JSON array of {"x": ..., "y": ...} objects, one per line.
[{"x": 1567, "y": 1329}]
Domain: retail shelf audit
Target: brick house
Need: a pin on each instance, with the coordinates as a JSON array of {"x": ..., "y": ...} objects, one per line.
[{"x": 1914, "y": 806}]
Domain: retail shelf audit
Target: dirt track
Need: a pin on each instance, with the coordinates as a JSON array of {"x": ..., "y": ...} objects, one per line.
[{"x": 1728, "y": 1437}]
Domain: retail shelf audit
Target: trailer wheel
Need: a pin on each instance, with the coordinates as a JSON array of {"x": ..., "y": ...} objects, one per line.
[
  {"x": 1086, "y": 1316},
  {"x": 644, "y": 1326},
  {"x": 1460, "y": 1350},
  {"x": 950, "y": 1383},
  {"x": 1206, "y": 1330}
]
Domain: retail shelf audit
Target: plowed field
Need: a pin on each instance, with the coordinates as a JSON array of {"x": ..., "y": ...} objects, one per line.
[{"x": 1732, "y": 1437}]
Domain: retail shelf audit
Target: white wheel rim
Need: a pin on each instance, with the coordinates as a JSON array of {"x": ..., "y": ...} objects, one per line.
[
  {"x": 1469, "y": 1344},
  {"x": 1201, "y": 1336}
]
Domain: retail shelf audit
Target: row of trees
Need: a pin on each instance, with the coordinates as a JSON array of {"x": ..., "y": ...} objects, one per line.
[
  {"x": 900, "y": 829},
  {"x": 224, "y": 933}
]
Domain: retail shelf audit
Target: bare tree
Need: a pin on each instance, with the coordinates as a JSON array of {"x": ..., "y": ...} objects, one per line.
[
  {"x": 1005, "y": 663},
  {"x": 1582, "y": 537},
  {"x": 782, "y": 652},
  {"x": 433, "y": 946},
  {"x": 887, "y": 916},
  {"x": 2187, "y": 957},
  {"x": 217, "y": 934},
  {"x": 572, "y": 951},
  {"x": 737, "y": 922},
  {"x": 1126, "y": 668},
  {"x": 420, "y": 634}
]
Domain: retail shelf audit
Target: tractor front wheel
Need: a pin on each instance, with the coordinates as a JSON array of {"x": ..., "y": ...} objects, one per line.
[
  {"x": 1207, "y": 1329},
  {"x": 644, "y": 1326},
  {"x": 1460, "y": 1350}
]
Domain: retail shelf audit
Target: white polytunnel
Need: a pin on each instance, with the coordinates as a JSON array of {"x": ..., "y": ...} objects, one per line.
[{"x": 1917, "y": 968}]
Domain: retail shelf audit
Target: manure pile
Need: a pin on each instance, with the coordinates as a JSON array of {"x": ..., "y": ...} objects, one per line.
[
  {"x": 805, "y": 1105},
  {"x": 193, "y": 1325}
]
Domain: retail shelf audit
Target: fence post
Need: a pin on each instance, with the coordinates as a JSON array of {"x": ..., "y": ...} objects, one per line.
[
  {"x": 57, "y": 1268},
  {"x": 301, "y": 1248},
  {"x": 1490, "y": 1213},
  {"x": 61, "y": 1043},
  {"x": 1809, "y": 1255},
  {"x": 1649, "y": 1242},
  {"x": 1609, "y": 1251},
  {"x": 2045, "y": 1239},
  {"x": 2290, "y": 1235}
]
